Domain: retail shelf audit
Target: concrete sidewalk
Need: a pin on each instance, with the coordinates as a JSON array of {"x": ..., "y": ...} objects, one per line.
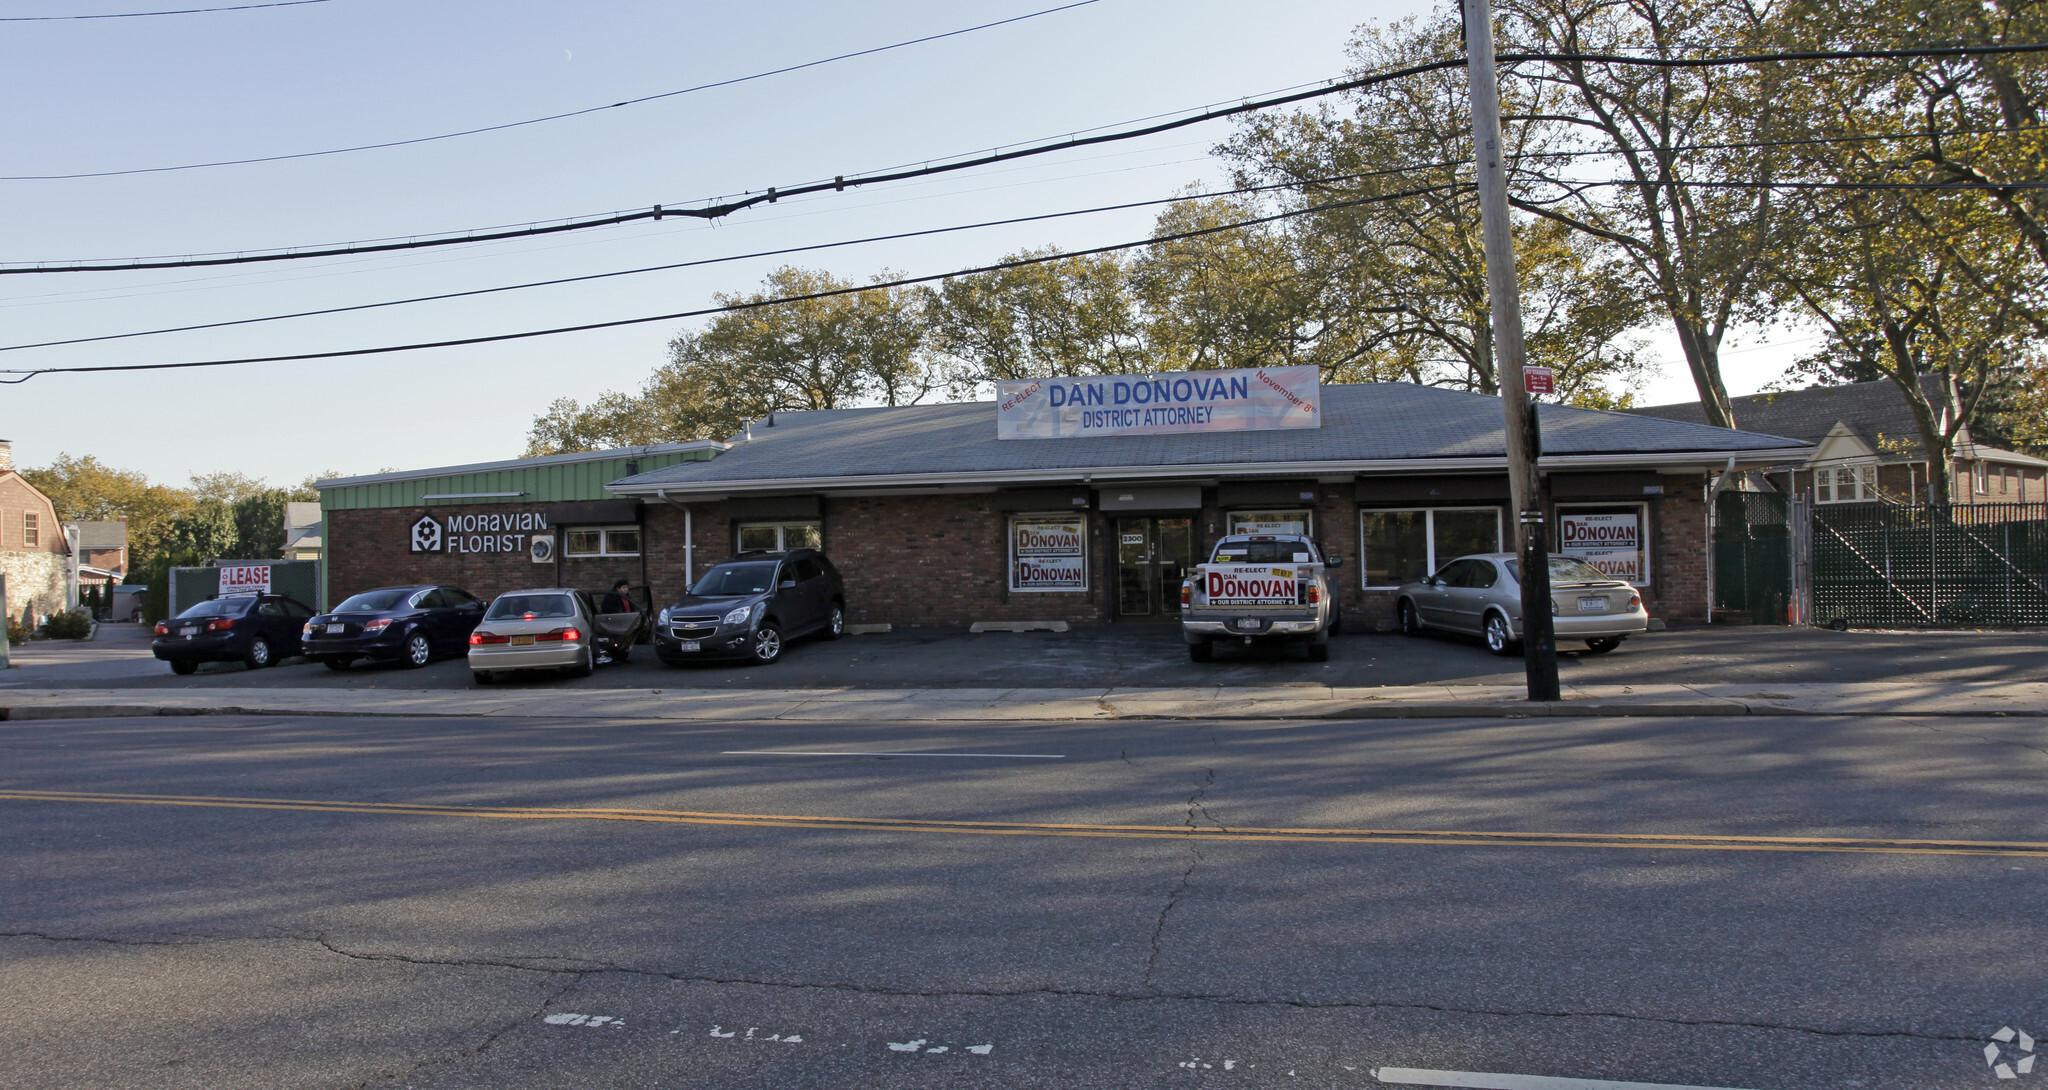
[{"x": 1307, "y": 701}]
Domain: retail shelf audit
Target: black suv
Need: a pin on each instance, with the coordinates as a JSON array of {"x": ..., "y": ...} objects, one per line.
[{"x": 749, "y": 607}]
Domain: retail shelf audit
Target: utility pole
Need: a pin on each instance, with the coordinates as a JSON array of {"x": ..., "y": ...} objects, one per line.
[{"x": 1504, "y": 302}]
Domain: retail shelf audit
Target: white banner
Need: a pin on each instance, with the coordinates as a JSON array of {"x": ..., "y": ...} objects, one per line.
[
  {"x": 1254, "y": 398},
  {"x": 1612, "y": 543},
  {"x": 244, "y": 579}
]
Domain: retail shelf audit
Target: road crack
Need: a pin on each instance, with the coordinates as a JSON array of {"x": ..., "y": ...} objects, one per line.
[{"x": 1197, "y": 811}]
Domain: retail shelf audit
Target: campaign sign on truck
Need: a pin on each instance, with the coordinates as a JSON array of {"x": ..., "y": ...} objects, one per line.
[
  {"x": 1611, "y": 543},
  {"x": 1249, "y": 585},
  {"x": 1189, "y": 401},
  {"x": 244, "y": 579}
]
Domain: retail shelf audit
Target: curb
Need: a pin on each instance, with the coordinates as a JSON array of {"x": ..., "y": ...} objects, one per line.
[{"x": 1559, "y": 710}]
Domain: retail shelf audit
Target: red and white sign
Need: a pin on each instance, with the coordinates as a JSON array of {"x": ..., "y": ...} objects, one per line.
[
  {"x": 1539, "y": 380},
  {"x": 244, "y": 579},
  {"x": 1612, "y": 543},
  {"x": 1048, "y": 552},
  {"x": 1249, "y": 585}
]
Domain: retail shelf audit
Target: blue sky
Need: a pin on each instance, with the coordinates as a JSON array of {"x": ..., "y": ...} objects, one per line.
[{"x": 124, "y": 93}]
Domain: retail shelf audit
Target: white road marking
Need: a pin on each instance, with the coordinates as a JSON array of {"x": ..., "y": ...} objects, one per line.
[
  {"x": 882, "y": 753},
  {"x": 583, "y": 1020},
  {"x": 918, "y": 1045},
  {"x": 789, "y": 1039},
  {"x": 1482, "y": 1080},
  {"x": 907, "y": 1046}
]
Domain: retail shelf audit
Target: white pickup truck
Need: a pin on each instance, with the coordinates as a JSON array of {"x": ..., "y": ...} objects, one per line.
[{"x": 1260, "y": 588}]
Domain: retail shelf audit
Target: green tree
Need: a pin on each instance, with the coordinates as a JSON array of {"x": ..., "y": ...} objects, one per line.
[
  {"x": 85, "y": 489},
  {"x": 1075, "y": 316},
  {"x": 207, "y": 530}
]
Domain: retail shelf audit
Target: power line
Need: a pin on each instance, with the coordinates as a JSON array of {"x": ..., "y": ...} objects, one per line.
[
  {"x": 151, "y": 14},
  {"x": 1241, "y": 191},
  {"x": 24, "y": 374},
  {"x": 537, "y": 120},
  {"x": 842, "y": 182}
]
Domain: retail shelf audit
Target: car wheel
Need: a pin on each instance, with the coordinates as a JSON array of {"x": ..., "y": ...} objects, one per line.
[
  {"x": 835, "y": 625},
  {"x": 1202, "y": 652},
  {"x": 483, "y": 677},
  {"x": 258, "y": 655},
  {"x": 1603, "y": 645},
  {"x": 183, "y": 666},
  {"x": 338, "y": 664},
  {"x": 1319, "y": 649},
  {"x": 1499, "y": 639},
  {"x": 767, "y": 644},
  {"x": 418, "y": 650},
  {"x": 1411, "y": 625},
  {"x": 586, "y": 666}
]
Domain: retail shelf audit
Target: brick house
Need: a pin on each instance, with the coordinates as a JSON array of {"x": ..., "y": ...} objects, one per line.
[
  {"x": 922, "y": 508},
  {"x": 33, "y": 553},
  {"x": 1866, "y": 446}
]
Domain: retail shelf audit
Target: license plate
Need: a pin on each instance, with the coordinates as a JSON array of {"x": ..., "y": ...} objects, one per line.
[
  {"x": 686, "y": 645},
  {"x": 336, "y": 629},
  {"x": 1592, "y": 605},
  {"x": 1248, "y": 622},
  {"x": 522, "y": 641},
  {"x": 188, "y": 632}
]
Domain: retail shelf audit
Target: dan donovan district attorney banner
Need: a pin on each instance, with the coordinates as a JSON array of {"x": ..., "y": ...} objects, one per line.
[{"x": 1254, "y": 398}]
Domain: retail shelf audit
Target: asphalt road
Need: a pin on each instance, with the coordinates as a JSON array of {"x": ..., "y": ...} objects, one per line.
[
  {"x": 412, "y": 909},
  {"x": 1137, "y": 655}
]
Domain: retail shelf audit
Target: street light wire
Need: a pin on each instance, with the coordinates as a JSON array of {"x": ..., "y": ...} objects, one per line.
[
  {"x": 17, "y": 376},
  {"x": 537, "y": 120},
  {"x": 153, "y": 14}
]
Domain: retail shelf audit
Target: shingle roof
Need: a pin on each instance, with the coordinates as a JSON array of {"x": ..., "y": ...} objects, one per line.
[
  {"x": 1362, "y": 423},
  {"x": 1876, "y": 411},
  {"x": 102, "y": 535}
]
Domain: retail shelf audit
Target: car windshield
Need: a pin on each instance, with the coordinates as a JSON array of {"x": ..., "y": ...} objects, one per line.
[
  {"x": 1261, "y": 552},
  {"x": 531, "y": 607},
  {"x": 733, "y": 580},
  {"x": 219, "y": 607},
  {"x": 1565, "y": 569},
  {"x": 373, "y": 601}
]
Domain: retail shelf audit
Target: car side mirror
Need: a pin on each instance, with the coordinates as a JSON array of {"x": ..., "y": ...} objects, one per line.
[
  {"x": 1435, "y": 582},
  {"x": 1334, "y": 560},
  {"x": 787, "y": 584}
]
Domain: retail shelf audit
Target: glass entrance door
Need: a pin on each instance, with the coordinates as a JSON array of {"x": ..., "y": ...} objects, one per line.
[{"x": 1152, "y": 557}]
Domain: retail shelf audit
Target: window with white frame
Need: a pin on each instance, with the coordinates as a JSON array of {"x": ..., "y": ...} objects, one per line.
[
  {"x": 31, "y": 529},
  {"x": 1298, "y": 521},
  {"x": 1401, "y": 545},
  {"x": 601, "y": 541},
  {"x": 1845, "y": 484},
  {"x": 1980, "y": 476},
  {"x": 776, "y": 537}
]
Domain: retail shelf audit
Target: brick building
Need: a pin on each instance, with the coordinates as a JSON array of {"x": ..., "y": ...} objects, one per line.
[
  {"x": 934, "y": 521},
  {"x": 33, "y": 553}
]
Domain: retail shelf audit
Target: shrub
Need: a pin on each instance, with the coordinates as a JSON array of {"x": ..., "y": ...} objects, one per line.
[
  {"x": 17, "y": 633},
  {"x": 73, "y": 625}
]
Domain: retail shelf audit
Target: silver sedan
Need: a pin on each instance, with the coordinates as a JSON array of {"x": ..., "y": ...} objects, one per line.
[{"x": 1482, "y": 595}]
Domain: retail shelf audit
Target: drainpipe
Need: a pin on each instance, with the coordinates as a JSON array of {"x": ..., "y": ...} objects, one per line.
[
  {"x": 689, "y": 540},
  {"x": 1714, "y": 494}
]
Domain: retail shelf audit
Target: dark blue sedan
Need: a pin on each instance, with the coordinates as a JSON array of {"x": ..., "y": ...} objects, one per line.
[
  {"x": 409, "y": 625},
  {"x": 257, "y": 629}
]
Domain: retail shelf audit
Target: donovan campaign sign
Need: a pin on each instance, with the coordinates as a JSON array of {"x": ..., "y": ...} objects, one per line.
[{"x": 1190, "y": 401}]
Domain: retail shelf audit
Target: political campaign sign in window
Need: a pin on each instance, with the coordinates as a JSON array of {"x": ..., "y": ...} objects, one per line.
[
  {"x": 1610, "y": 538},
  {"x": 1048, "y": 552}
]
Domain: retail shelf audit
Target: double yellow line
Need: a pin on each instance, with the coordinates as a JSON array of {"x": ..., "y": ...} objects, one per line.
[{"x": 1465, "y": 837}]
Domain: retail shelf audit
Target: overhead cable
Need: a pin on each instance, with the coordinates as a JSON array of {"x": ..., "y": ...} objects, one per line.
[
  {"x": 843, "y": 182},
  {"x": 539, "y": 120},
  {"x": 19, "y": 375},
  {"x": 153, "y": 14}
]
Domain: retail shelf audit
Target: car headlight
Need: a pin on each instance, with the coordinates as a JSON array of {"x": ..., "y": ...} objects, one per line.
[
  {"x": 740, "y": 615},
  {"x": 662, "y": 617}
]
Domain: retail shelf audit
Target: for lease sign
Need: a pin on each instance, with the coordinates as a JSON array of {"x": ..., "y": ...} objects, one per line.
[
  {"x": 1249, "y": 585},
  {"x": 244, "y": 579},
  {"x": 1610, "y": 542}
]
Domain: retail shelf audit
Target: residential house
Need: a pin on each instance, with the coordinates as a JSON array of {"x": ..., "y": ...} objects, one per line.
[
  {"x": 302, "y": 526},
  {"x": 33, "y": 553},
  {"x": 1867, "y": 446}
]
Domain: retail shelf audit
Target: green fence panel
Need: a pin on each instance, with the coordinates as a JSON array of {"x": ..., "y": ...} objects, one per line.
[
  {"x": 1753, "y": 555},
  {"x": 1929, "y": 566},
  {"x": 298, "y": 579}
]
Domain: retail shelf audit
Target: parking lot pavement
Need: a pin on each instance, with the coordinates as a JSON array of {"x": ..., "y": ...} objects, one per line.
[{"x": 1134, "y": 656}]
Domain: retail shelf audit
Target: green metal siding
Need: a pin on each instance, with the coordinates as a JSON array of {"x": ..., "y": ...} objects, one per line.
[{"x": 540, "y": 483}]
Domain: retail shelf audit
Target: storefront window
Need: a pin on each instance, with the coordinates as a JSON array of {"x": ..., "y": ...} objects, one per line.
[
  {"x": 777, "y": 537},
  {"x": 602, "y": 541},
  {"x": 1270, "y": 522},
  {"x": 1614, "y": 538},
  {"x": 1048, "y": 552},
  {"x": 1398, "y": 546}
]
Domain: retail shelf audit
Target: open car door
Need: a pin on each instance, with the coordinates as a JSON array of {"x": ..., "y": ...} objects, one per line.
[{"x": 618, "y": 621}]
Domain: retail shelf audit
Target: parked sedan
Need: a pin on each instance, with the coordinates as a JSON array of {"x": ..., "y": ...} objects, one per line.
[
  {"x": 546, "y": 629},
  {"x": 1482, "y": 595},
  {"x": 257, "y": 629},
  {"x": 404, "y": 624},
  {"x": 750, "y": 606}
]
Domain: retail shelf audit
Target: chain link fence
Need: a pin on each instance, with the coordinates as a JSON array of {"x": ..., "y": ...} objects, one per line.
[{"x": 1930, "y": 566}]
